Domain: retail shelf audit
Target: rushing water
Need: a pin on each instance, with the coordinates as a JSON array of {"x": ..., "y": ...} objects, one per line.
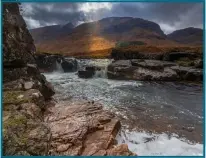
[{"x": 157, "y": 118}]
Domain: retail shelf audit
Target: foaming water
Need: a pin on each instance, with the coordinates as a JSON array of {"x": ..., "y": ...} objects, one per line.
[
  {"x": 138, "y": 104},
  {"x": 146, "y": 144}
]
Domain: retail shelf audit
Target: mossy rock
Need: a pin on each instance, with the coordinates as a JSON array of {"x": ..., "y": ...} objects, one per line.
[
  {"x": 15, "y": 97},
  {"x": 185, "y": 62},
  {"x": 23, "y": 135}
]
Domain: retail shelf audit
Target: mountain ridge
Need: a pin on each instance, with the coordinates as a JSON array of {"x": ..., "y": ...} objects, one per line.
[{"x": 101, "y": 35}]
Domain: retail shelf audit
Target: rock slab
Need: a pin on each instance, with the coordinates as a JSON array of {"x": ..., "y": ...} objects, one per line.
[{"x": 82, "y": 129}]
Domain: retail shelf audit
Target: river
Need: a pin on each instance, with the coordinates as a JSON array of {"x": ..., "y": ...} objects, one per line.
[{"x": 158, "y": 118}]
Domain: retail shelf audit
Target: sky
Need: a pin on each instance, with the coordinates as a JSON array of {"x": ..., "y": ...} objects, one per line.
[{"x": 170, "y": 16}]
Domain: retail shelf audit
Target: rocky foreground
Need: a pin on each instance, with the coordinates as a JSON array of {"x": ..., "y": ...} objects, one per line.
[
  {"x": 33, "y": 126},
  {"x": 32, "y": 123}
]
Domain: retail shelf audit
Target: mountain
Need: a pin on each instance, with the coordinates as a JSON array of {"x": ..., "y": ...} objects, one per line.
[
  {"x": 99, "y": 37},
  {"x": 50, "y": 32},
  {"x": 190, "y": 35}
]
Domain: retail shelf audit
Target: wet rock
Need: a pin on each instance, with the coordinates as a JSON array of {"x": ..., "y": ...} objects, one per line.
[
  {"x": 85, "y": 74},
  {"x": 120, "y": 69},
  {"x": 69, "y": 65}
]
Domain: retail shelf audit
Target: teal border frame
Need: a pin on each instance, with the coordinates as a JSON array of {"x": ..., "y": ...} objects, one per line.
[{"x": 166, "y": 1}]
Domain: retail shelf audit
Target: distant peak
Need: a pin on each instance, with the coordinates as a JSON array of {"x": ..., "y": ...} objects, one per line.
[{"x": 68, "y": 25}]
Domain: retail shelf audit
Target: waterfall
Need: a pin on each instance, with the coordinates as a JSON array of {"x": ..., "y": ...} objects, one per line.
[
  {"x": 59, "y": 66},
  {"x": 103, "y": 64},
  {"x": 101, "y": 73}
]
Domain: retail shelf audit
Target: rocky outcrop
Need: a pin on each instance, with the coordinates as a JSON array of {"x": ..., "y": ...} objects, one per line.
[
  {"x": 50, "y": 63},
  {"x": 83, "y": 129},
  {"x": 25, "y": 90},
  {"x": 152, "y": 70},
  {"x": 17, "y": 41},
  {"x": 19, "y": 50},
  {"x": 85, "y": 74},
  {"x": 47, "y": 62}
]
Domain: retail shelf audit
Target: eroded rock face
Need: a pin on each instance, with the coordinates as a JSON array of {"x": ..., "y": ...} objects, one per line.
[
  {"x": 152, "y": 70},
  {"x": 18, "y": 50},
  {"x": 17, "y": 41},
  {"x": 25, "y": 90},
  {"x": 82, "y": 129}
]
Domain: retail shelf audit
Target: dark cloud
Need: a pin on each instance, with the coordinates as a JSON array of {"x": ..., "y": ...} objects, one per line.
[{"x": 170, "y": 16}]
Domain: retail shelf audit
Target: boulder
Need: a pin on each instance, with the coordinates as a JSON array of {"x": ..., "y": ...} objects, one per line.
[
  {"x": 69, "y": 65},
  {"x": 85, "y": 74},
  {"x": 120, "y": 69}
]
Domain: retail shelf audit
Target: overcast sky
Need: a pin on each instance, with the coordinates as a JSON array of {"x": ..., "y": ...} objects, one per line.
[{"x": 170, "y": 16}]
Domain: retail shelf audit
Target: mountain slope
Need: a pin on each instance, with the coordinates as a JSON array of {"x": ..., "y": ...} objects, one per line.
[
  {"x": 193, "y": 36},
  {"x": 100, "y": 35},
  {"x": 50, "y": 32}
]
